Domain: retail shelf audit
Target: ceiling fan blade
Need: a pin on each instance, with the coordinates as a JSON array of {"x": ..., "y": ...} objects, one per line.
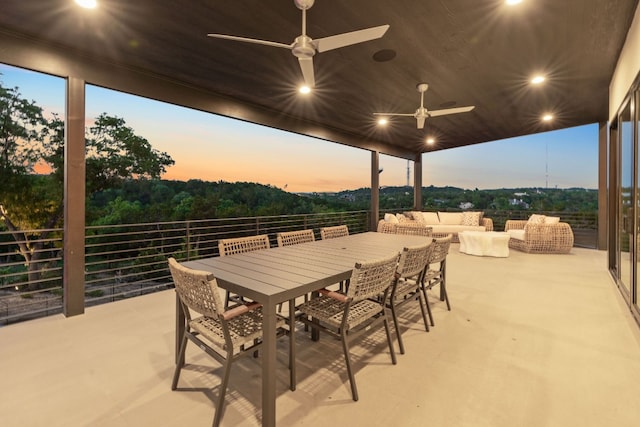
[
  {"x": 395, "y": 114},
  {"x": 306, "y": 65},
  {"x": 346, "y": 39},
  {"x": 434, "y": 113},
  {"x": 420, "y": 122},
  {"x": 247, "y": 40}
]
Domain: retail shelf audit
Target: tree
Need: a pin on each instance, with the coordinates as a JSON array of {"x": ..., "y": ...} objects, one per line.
[{"x": 28, "y": 140}]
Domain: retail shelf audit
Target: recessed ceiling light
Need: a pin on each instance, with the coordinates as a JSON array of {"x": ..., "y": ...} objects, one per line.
[
  {"x": 87, "y": 4},
  {"x": 305, "y": 89},
  {"x": 536, "y": 80},
  {"x": 430, "y": 141},
  {"x": 547, "y": 117},
  {"x": 382, "y": 121},
  {"x": 512, "y": 2}
]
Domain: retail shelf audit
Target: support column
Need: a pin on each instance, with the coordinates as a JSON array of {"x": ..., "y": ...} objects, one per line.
[
  {"x": 417, "y": 182},
  {"x": 74, "y": 199},
  {"x": 602, "y": 186},
  {"x": 375, "y": 191}
]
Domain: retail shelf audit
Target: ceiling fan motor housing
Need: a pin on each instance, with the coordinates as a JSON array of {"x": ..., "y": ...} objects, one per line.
[{"x": 304, "y": 4}]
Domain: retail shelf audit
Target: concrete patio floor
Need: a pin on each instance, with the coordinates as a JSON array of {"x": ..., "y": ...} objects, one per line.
[{"x": 532, "y": 340}]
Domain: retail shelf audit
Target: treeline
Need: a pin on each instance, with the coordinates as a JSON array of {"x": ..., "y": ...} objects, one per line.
[
  {"x": 433, "y": 198},
  {"x": 164, "y": 200}
]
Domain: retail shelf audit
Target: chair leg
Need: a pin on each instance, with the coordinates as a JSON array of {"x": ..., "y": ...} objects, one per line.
[
  {"x": 179, "y": 363},
  {"x": 391, "y": 350},
  {"x": 292, "y": 345},
  {"x": 352, "y": 379},
  {"x": 426, "y": 303},
  {"x": 423, "y": 310},
  {"x": 443, "y": 291},
  {"x": 394, "y": 316},
  {"x": 223, "y": 389}
]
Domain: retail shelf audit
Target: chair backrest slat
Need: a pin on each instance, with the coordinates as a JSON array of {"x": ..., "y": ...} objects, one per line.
[
  {"x": 333, "y": 232},
  {"x": 440, "y": 249},
  {"x": 371, "y": 278},
  {"x": 243, "y": 244},
  {"x": 198, "y": 290},
  {"x": 413, "y": 260},
  {"x": 288, "y": 238}
]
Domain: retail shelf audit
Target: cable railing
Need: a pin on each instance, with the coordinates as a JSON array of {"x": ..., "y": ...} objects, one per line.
[{"x": 127, "y": 260}]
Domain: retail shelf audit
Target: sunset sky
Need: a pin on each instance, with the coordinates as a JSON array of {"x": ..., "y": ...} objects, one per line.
[{"x": 212, "y": 148}]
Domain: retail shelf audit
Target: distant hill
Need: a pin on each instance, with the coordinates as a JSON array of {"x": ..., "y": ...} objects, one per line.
[{"x": 165, "y": 200}]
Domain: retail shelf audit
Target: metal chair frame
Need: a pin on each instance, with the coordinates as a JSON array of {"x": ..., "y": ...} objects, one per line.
[
  {"x": 437, "y": 275},
  {"x": 363, "y": 307},
  {"x": 235, "y": 332},
  {"x": 406, "y": 285}
]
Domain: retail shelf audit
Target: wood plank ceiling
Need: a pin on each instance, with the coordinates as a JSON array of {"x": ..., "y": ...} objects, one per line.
[{"x": 470, "y": 52}]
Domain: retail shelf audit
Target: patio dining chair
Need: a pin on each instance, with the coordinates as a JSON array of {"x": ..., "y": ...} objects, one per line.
[
  {"x": 237, "y": 246},
  {"x": 334, "y": 231},
  {"x": 348, "y": 316},
  {"x": 435, "y": 271},
  {"x": 288, "y": 238},
  {"x": 224, "y": 334},
  {"x": 406, "y": 285}
]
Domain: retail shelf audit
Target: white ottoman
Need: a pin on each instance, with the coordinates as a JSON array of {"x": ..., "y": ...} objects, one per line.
[{"x": 484, "y": 243}]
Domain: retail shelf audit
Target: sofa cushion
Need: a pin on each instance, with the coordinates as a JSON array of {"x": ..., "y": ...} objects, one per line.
[
  {"x": 430, "y": 217},
  {"x": 536, "y": 219},
  {"x": 401, "y": 218},
  {"x": 470, "y": 218},
  {"x": 441, "y": 228},
  {"x": 551, "y": 219},
  {"x": 450, "y": 218},
  {"x": 391, "y": 218},
  {"x": 417, "y": 216},
  {"x": 516, "y": 234}
]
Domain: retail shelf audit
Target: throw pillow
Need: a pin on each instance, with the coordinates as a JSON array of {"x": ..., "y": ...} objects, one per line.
[
  {"x": 430, "y": 217},
  {"x": 471, "y": 218},
  {"x": 390, "y": 218},
  {"x": 417, "y": 216},
  {"x": 450, "y": 218},
  {"x": 536, "y": 219},
  {"x": 551, "y": 219},
  {"x": 401, "y": 218}
]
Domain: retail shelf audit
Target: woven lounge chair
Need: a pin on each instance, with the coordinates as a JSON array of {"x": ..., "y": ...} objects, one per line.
[
  {"x": 539, "y": 238},
  {"x": 406, "y": 284},
  {"x": 333, "y": 232},
  {"x": 241, "y": 245},
  {"x": 435, "y": 272},
  {"x": 224, "y": 334},
  {"x": 351, "y": 315}
]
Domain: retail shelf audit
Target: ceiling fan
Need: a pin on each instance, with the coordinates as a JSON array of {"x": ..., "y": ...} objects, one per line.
[
  {"x": 422, "y": 113},
  {"x": 304, "y": 47}
]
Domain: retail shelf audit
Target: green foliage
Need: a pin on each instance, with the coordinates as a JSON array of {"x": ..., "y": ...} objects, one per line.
[{"x": 164, "y": 200}]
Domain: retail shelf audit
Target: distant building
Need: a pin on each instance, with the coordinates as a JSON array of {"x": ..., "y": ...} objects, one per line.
[
  {"x": 519, "y": 202},
  {"x": 466, "y": 205}
]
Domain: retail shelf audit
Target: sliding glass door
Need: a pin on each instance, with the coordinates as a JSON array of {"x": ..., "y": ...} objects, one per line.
[{"x": 626, "y": 186}]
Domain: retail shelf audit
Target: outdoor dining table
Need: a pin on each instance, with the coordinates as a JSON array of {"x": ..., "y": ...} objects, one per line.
[{"x": 281, "y": 274}]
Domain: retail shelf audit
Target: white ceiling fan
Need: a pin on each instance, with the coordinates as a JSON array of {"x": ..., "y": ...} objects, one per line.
[
  {"x": 422, "y": 113},
  {"x": 304, "y": 47}
]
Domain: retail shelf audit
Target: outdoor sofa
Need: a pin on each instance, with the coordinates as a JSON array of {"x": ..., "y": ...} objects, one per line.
[{"x": 442, "y": 223}]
